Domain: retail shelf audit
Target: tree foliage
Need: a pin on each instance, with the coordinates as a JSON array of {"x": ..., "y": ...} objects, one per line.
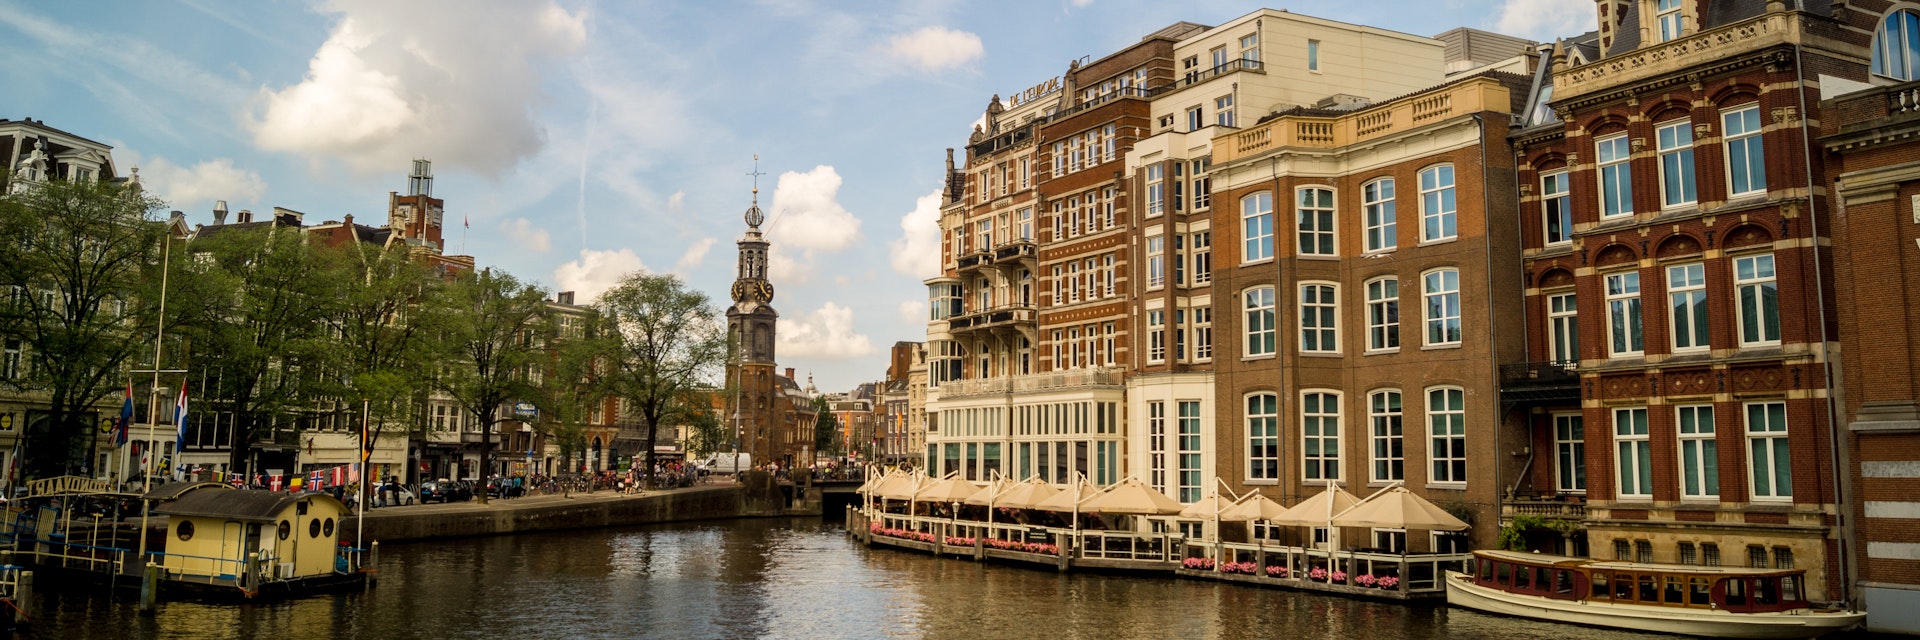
[
  {"x": 79, "y": 261},
  {"x": 662, "y": 344},
  {"x": 826, "y": 429},
  {"x": 489, "y": 350}
]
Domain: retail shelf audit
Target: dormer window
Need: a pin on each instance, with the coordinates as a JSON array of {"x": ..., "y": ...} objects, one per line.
[
  {"x": 1896, "y": 45},
  {"x": 1667, "y": 12}
]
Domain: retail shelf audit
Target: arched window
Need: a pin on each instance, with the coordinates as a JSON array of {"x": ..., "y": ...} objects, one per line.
[
  {"x": 1896, "y": 46},
  {"x": 1256, "y": 214}
]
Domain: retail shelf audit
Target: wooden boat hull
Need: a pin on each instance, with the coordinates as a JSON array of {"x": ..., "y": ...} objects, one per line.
[{"x": 1462, "y": 591}]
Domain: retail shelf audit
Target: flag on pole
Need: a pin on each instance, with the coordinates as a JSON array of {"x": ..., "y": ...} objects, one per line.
[
  {"x": 180, "y": 431},
  {"x": 126, "y": 416}
]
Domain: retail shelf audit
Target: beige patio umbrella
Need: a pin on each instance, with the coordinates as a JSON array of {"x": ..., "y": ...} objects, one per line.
[
  {"x": 1133, "y": 497},
  {"x": 1398, "y": 508},
  {"x": 1026, "y": 495},
  {"x": 1254, "y": 507},
  {"x": 1207, "y": 508},
  {"x": 946, "y": 490},
  {"x": 899, "y": 486},
  {"x": 991, "y": 496},
  {"x": 1069, "y": 500},
  {"x": 1315, "y": 511}
]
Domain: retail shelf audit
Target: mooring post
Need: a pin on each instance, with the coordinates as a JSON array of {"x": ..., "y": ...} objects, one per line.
[
  {"x": 22, "y": 597},
  {"x": 150, "y": 588}
]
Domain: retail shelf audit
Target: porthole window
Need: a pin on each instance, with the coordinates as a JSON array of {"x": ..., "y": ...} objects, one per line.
[
  {"x": 327, "y": 528},
  {"x": 185, "y": 530},
  {"x": 286, "y": 529},
  {"x": 313, "y": 528}
]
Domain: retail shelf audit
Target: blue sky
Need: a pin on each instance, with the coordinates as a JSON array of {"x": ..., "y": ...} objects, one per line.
[{"x": 582, "y": 140}]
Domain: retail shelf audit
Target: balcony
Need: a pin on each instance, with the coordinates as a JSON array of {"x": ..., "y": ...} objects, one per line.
[
  {"x": 1540, "y": 382},
  {"x": 974, "y": 260},
  {"x": 1544, "y": 508},
  {"x": 995, "y": 318},
  {"x": 1078, "y": 378},
  {"x": 1015, "y": 251},
  {"x": 1388, "y": 119},
  {"x": 1668, "y": 59},
  {"x": 1197, "y": 77}
]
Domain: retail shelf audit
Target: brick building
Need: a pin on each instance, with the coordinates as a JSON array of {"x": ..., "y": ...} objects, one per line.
[{"x": 1678, "y": 330}]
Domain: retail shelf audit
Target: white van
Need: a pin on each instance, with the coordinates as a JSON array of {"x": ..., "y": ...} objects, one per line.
[{"x": 726, "y": 463}]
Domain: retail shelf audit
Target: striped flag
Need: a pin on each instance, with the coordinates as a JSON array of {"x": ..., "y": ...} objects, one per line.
[{"x": 126, "y": 416}]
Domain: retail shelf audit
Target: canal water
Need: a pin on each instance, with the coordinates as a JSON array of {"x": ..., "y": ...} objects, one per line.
[{"x": 801, "y": 579}]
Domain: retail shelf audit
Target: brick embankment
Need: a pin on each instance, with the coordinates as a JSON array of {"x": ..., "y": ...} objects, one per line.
[{"x": 551, "y": 513}]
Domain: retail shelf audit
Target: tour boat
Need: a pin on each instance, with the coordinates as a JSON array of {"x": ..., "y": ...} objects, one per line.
[{"x": 1720, "y": 602}]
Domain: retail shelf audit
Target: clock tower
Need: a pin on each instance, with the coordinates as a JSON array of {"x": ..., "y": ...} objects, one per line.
[{"x": 759, "y": 406}]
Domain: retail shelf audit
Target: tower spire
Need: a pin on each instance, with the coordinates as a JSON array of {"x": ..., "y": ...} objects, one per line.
[{"x": 754, "y": 216}]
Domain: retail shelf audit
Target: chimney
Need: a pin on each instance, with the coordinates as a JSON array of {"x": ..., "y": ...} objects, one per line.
[
  {"x": 564, "y": 297},
  {"x": 349, "y": 221},
  {"x": 219, "y": 212},
  {"x": 244, "y": 217},
  {"x": 789, "y": 373}
]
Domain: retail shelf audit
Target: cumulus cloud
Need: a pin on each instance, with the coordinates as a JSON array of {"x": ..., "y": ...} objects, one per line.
[
  {"x": 695, "y": 254},
  {"x": 195, "y": 188},
  {"x": 596, "y": 272},
  {"x": 523, "y": 234},
  {"x": 808, "y": 213},
  {"x": 913, "y": 312},
  {"x": 916, "y": 253},
  {"x": 826, "y": 333},
  {"x": 936, "y": 48},
  {"x": 782, "y": 266},
  {"x": 400, "y": 80},
  {"x": 1545, "y": 20}
]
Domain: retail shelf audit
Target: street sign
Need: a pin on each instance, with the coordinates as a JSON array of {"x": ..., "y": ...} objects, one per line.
[{"x": 526, "y": 410}]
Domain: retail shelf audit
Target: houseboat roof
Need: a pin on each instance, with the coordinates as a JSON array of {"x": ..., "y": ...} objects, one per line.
[
  {"x": 1539, "y": 559},
  {"x": 239, "y": 504},
  {"x": 173, "y": 490}
]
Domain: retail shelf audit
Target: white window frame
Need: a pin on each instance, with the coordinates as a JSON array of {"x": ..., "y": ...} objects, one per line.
[
  {"x": 1624, "y": 314},
  {"x": 1386, "y": 419},
  {"x": 1439, "y": 204},
  {"x": 1556, "y": 207},
  {"x": 1319, "y": 317},
  {"x": 1203, "y": 334},
  {"x": 1447, "y": 435},
  {"x": 1320, "y": 427},
  {"x": 1613, "y": 162},
  {"x": 1156, "y": 336},
  {"x": 1256, "y": 227},
  {"x": 1380, "y": 224},
  {"x": 1156, "y": 261},
  {"x": 1435, "y": 289},
  {"x": 1156, "y": 189},
  {"x": 1569, "y": 453},
  {"x": 1157, "y": 445},
  {"x": 1383, "y": 315},
  {"x": 1744, "y": 149},
  {"x": 1315, "y": 223},
  {"x": 1895, "y": 53},
  {"x": 1192, "y": 456},
  {"x": 1674, "y": 140},
  {"x": 1563, "y": 327},
  {"x": 1201, "y": 245},
  {"x": 1669, "y": 20},
  {"x": 1766, "y": 430},
  {"x": 1699, "y": 456},
  {"x": 1263, "y": 437},
  {"x": 1756, "y": 294},
  {"x": 1687, "y": 316},
  {"x": 1257, "y": 305},
  {"x": 1632, "y": 450},
  {"x": 1223, "y": 110}
]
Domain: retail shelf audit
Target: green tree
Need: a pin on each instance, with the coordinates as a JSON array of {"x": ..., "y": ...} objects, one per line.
[
  {"x": 706, "y": 431},
  {"x": 381, "y": 324},
  {"x": 571, "y": 386},
  {"x": 76, "y": 306},
  {"x": 255, "y": 305},
  {"x": 826, "y": 429},
  {"x": 494, "y": 341},
  {"x": 662, "y": 344}
]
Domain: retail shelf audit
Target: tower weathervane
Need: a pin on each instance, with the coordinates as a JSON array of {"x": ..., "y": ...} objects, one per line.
[{"x": 754, "y": 217}]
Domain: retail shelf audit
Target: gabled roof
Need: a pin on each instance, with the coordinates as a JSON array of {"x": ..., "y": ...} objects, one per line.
[{"x": 238, "y": 504}]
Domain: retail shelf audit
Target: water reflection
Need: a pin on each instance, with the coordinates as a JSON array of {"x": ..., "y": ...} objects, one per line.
[{"x": 763, "y": 579}]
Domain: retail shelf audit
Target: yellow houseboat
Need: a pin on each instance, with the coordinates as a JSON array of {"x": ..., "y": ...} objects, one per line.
[
  {"x": 1720, "y": 602},
  {"x": 258, "y": 541}
]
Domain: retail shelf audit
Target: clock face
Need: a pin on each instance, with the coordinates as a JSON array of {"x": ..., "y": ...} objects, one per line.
[
  {"x": 739, "y": 291},
  {"x": 766, "y": 291}
]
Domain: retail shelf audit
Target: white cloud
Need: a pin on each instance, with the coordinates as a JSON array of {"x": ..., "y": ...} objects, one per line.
[
  {"x": 913, "y": 312},
  {"x": 521, "y": 231},
  {"x": 806, "y": 213},
  {"x": 677, "y": 203},
  {"x": 1079, "y": 3},
  {"x": 826, "y": 333},
  {"x": 401, "y": 80},
  {"x": 695, "y": 254},
  {"x": 916, "y": 253},
  {"x": 195, "y": 188},
  {"x": 1545, "y": 20},
  {"x": 596, "y": 272},
  {"x": 936, "y": 48},
  {"x": 785, "y": 268}
]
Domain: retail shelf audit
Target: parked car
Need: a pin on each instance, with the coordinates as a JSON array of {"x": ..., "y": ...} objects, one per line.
[
  {"x": 444, "y": 491},
  {"x": 502, "y": 488}
]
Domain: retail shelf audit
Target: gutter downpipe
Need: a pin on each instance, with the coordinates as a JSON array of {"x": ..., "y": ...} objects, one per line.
[{"x": 1834, "y": 422}]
